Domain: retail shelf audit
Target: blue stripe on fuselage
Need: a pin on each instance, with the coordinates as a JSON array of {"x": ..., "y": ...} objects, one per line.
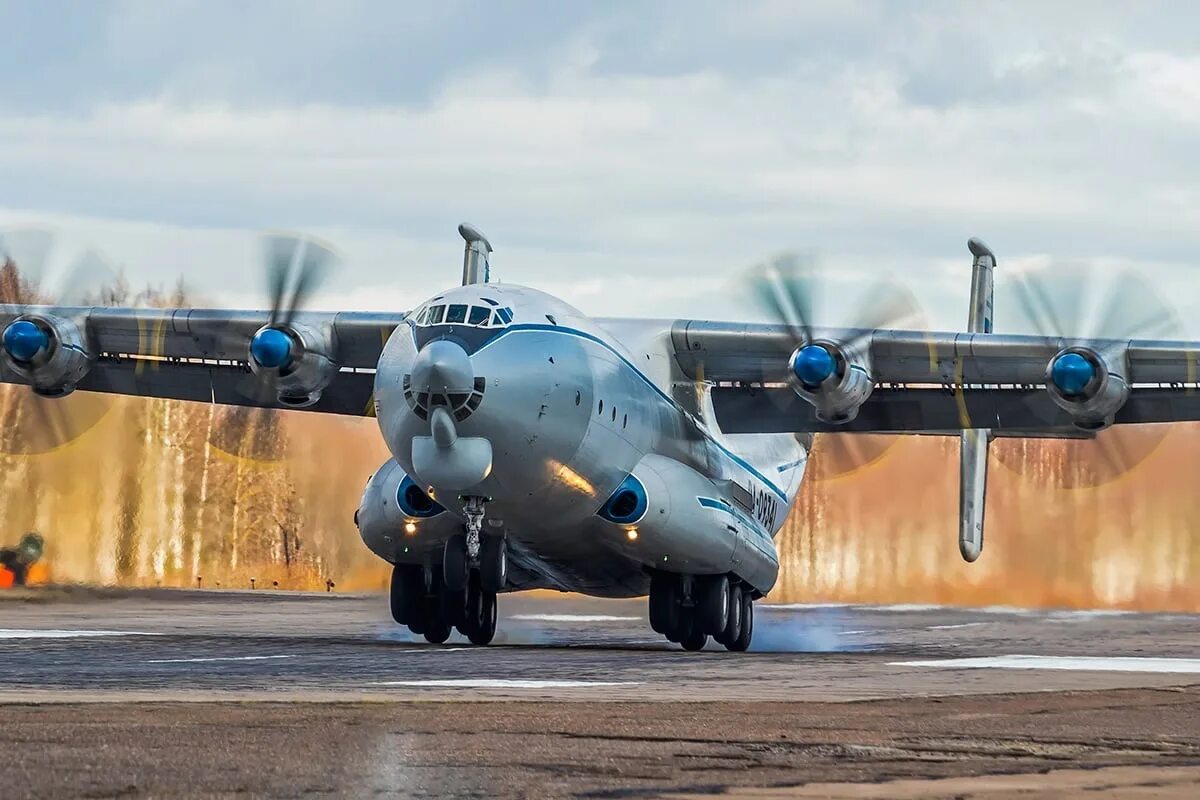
[{"x": 645, "y": 379}]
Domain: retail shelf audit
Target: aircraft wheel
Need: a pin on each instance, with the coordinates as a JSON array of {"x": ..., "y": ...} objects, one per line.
[
  {"x": 664, "y": 602},
  {"x": 493, "y": 564},
  {"x": 485, "y": 631},
  {"x": 742, "y": 642},
  {"x": 695, "y": 639},
  {"x": 712, "y": 604},
  {"x": 438, "y": 631},
  {"x": 454, "y": 562},
  {"x": 733, "y": 617},
  {"x": 405, "y": 594},
  {"x": 454, "y": 606}
]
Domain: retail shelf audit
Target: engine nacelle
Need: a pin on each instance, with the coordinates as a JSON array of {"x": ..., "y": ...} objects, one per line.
[
  {"x": 831, "y": 378},
  {"x": 1088, "y": 385},
  {"x": 49, "y": 352},
  {"x": 399, "y": 521},
  {"x": 298, "y": 358}
]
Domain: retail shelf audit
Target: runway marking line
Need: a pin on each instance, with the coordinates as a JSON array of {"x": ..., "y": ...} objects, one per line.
[
  {"x": 573, "y": 618},
  {"x": 215, "y": 658},
  {"x": 1075, "y": 663},
  {"x": 502, "y": 683},
  {"x": 17, "y": 633}
]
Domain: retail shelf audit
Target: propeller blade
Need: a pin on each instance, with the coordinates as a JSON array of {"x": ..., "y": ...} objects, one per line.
[
  {"x": 1071, "y": 301},
  {"x": 296, "y": 266}
]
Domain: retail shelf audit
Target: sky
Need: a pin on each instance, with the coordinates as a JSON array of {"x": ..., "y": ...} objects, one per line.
[{"x": 633, "y": 158}]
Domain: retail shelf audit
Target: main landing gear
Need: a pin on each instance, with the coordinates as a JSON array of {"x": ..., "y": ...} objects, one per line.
[
  {"x": 690, "y": 608},
  {"x": 423, "y": 601}
]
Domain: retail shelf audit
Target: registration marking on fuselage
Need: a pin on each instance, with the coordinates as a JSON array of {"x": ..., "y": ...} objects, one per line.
[
  {"x": 18, "y": 633},
  {"x": 1077, "y": 663},
  {"x": 503, "y": 683}
]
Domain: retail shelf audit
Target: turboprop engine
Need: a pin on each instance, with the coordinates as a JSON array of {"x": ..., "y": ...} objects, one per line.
[
  {"x": 295, "y": 359},
  {"x": 1088, "y": 385},
  {"x": 832, "y": 378},
  {"x": 49, "y": 352},
  {"x": 398, "y": 519}
]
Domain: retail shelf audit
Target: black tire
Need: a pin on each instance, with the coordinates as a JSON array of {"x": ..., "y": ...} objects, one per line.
[
  {"x": 493, "y": 564},
  {"x": 662, "y": 596},
  {"x": 473, "y": 609},
  {"x": 712, "y": 603},
  {"x": 405, "y": 592},
  {"x": 437, "y": 632},
  {"x": 485, "y": 630},
  {"x": 454, "y": 562},
  {"x": 454, "y": 606},
  {"x": 733, "y": 619},
  {"x": 695, "y": 640},
  {"x": 742, "y": 642}
]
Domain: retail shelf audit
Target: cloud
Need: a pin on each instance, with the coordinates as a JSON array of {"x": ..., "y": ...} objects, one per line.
[{"x": 633, "y": 159}]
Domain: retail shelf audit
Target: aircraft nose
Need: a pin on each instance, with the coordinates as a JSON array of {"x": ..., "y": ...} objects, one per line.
[{"x": 442, "y": 367}]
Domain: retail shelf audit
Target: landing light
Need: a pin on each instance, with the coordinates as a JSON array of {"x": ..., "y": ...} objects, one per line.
[
  {"x": 631, "y": 534},
  {"x": 410, "y": 528}
]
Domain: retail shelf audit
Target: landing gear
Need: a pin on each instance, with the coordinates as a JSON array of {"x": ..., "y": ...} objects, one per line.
[
  {"x": 421, "y": 600},
  {"x": 688, "y": 609},
  {"x": 488, "y": 554}
]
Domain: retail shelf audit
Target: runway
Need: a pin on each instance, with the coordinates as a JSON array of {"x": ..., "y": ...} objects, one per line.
[{"x": 329, "y": 698}]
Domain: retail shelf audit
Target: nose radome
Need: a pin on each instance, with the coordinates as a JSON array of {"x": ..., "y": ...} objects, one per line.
[{"x": 442, "y": 366}]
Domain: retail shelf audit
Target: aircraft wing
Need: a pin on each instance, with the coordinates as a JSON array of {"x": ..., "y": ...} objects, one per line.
[
  {"x": 921, "y": 382},
  {"x": 202, "y": 355}
]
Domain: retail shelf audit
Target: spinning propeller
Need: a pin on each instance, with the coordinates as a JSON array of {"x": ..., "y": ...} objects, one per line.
[
  {"x": 1069, "y": 302},
  {"x": 281, "y": 354},
  {"x": 31, "y": 424},
  {"x": 788, "y": 288}
]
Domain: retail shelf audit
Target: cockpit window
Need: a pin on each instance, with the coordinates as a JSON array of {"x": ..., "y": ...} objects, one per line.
[{"x": 477, "y": 316}]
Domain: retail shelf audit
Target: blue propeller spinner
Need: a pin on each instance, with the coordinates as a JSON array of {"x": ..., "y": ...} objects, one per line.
[
  {"x": 271, "y": 348},
  {"x": 1071, "y": 373},
  {"x": 23, "y": 340},
  {"x": 813, "y": 365}
]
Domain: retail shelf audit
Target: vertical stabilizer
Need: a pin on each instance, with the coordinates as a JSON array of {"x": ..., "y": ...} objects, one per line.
[
  {"x": 475, "y": 257},
  {"x": 974, "y": 443}
]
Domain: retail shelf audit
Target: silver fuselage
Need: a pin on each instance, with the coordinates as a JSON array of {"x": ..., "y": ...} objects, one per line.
[{"x": 572, "y": 406}]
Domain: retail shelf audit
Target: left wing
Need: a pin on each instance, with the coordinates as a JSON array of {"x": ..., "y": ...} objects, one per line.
[
  {"x": 315, "y": 361},
  {"x": 896, "y": 381}
]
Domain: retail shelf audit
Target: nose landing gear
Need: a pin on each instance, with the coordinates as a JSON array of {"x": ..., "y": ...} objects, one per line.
[
  {"x": 688, "y": 609},
  {"x": 488, "y": 553}
]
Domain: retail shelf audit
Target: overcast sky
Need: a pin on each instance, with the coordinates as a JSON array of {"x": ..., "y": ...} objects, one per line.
[{"x": 632, "y": 158}]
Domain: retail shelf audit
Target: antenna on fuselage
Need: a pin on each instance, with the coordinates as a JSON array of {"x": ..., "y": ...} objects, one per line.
[{"x": 475, "y": 258}]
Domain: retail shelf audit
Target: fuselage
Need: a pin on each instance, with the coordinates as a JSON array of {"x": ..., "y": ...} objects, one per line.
[{"x": 547, "y": 414}]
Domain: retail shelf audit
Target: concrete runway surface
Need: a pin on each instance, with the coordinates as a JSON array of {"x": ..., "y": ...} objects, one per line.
[{"x": 185, "y": 693}]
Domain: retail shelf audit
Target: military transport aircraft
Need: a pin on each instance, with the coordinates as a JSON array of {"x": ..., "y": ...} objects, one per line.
[{"x": 534, "y": 447}]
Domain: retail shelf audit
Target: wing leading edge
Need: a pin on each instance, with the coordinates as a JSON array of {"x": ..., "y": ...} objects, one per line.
[
  {"x": 934, "y": 382},
  {"x": 203, "y": 354}
]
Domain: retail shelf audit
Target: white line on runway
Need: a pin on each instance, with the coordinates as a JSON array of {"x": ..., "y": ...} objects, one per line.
[
  {"x": 15, "y": 633},
  {"x": 572, "y": 618},
  {"x": 501, "y": 683},
  {"x": 952, "y": 627},
  {"x": 1079, "y": 663},
  {"x": 215, "y": 658}
]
